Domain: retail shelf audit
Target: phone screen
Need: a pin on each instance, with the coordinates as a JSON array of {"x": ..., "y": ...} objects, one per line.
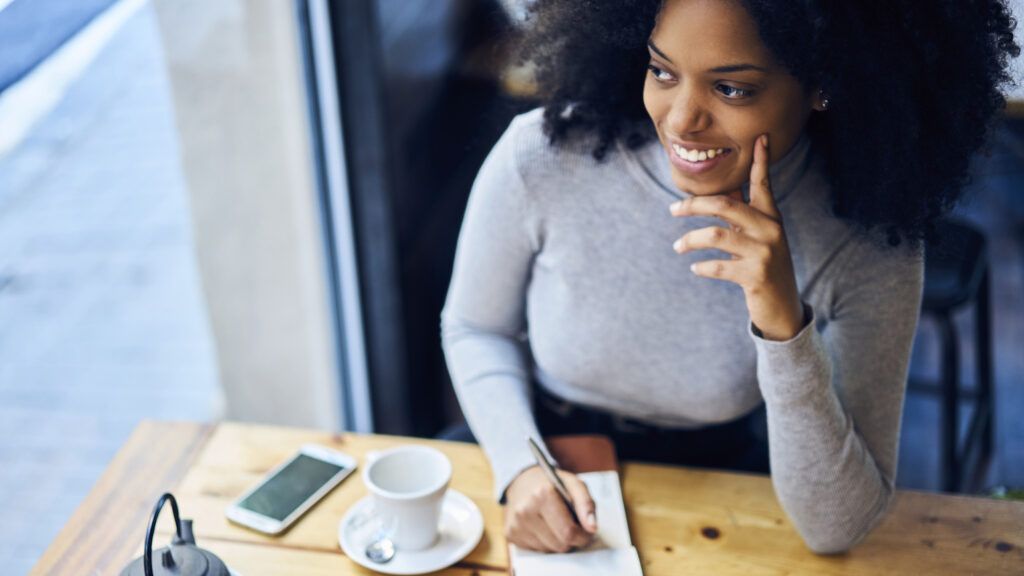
[{"x": 290, "y": 487}]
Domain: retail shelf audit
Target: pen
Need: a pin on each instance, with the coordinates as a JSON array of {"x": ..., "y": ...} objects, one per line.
[{"x": 549, "y": 471}]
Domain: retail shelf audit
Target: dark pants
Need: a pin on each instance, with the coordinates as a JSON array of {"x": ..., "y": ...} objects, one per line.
[{"x": 740, "y": 445}]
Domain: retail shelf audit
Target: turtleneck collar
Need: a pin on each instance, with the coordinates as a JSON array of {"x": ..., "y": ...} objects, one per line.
[{"x": 785, "y": 173}]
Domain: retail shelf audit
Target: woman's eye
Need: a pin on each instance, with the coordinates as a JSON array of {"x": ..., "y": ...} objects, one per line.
[
  {"x": 734, "y": 92},
  {"x": 658, "y": 73}
]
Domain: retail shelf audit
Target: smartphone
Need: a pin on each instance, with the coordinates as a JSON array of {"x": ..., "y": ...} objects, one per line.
[{"x": 290, "y": 489}]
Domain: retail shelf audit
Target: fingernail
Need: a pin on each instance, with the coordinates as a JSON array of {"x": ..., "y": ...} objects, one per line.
[
  {"x": 676, "y": 206},
  {"x": 764, "y": 140},
  {"x": 677, "y": 245},
  {"x": 693, "y": 267},
  {"x": 591, "y": 520}
]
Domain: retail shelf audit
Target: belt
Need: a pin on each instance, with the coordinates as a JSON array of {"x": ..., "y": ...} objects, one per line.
[
  {"x": 599, "y": 418},
  {"x": 734, "y": 445}
]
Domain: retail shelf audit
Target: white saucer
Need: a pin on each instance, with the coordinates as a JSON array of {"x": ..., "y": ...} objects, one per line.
[{"x": 461, "y": 528}]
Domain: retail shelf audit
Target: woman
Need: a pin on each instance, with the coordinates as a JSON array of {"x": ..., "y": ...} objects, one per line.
[{"x": 660, "y": 254}]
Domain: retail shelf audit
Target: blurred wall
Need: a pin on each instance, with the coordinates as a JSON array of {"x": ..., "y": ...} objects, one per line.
[{"x": 241, "y": 113}]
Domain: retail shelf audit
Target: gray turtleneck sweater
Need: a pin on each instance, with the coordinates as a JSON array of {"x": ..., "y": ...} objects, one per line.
[{"x": 565, "y": 271}]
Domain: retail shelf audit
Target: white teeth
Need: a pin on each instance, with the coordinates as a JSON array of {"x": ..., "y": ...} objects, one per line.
[{"x": 697, "y": 155}]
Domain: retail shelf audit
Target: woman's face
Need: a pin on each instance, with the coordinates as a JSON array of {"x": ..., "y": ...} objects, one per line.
[{"x": 713, "y": 87}]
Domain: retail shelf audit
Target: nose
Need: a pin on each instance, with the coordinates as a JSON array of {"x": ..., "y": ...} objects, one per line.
[{"x": 688, "y": 113}]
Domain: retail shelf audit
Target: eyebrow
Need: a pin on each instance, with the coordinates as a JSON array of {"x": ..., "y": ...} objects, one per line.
[{"x": 718, "y": 69}]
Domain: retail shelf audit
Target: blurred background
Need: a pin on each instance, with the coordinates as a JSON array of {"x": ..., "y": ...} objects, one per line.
[{"x": 248, "y": 209}]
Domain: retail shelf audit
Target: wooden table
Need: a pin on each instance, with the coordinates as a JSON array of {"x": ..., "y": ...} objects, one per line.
[{"x": 683, "y": 521}]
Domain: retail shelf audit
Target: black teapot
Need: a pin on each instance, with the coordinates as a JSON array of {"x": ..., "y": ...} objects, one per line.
[{"x": 181, "y": 558}]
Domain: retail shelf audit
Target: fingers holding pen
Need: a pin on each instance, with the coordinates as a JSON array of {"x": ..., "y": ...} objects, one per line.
[
  {"x": 582, "y": 500},
  {"x": 537, "y": 517}
]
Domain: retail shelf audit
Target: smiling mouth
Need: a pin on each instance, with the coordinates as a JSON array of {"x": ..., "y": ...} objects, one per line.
[{"x": 698, "y": 155}]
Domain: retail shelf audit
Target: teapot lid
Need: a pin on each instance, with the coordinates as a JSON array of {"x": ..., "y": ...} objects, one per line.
[{"x": 175, "y": 561}]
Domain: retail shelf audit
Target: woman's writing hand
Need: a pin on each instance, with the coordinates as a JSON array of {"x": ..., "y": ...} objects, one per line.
[
  {"x": 536, "y": 517},
  {"x": 760, "y": 262}
]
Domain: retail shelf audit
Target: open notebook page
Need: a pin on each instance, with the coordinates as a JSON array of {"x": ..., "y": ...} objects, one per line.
[{"x": 612, "y": 551}]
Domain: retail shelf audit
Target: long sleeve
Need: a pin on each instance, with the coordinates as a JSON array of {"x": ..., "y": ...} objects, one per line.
[
  {"x": 834, "y": 398},
  {"x": 483, "y": 320}
]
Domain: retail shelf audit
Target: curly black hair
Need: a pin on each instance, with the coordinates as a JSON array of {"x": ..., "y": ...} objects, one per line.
[{"x": 913, "y": 87}]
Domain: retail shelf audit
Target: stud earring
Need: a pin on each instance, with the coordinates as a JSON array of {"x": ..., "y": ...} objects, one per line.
[{"x": 824, "y": 99}]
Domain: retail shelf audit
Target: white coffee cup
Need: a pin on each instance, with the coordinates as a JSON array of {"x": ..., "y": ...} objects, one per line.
[{"x": 408, "y": 484}]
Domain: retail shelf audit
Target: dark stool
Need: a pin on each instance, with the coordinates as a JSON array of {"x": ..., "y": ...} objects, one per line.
[{"x": 957, "y": 274}]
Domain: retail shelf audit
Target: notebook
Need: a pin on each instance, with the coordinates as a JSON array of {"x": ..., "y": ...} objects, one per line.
[{"x": 612, "y": 552}]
